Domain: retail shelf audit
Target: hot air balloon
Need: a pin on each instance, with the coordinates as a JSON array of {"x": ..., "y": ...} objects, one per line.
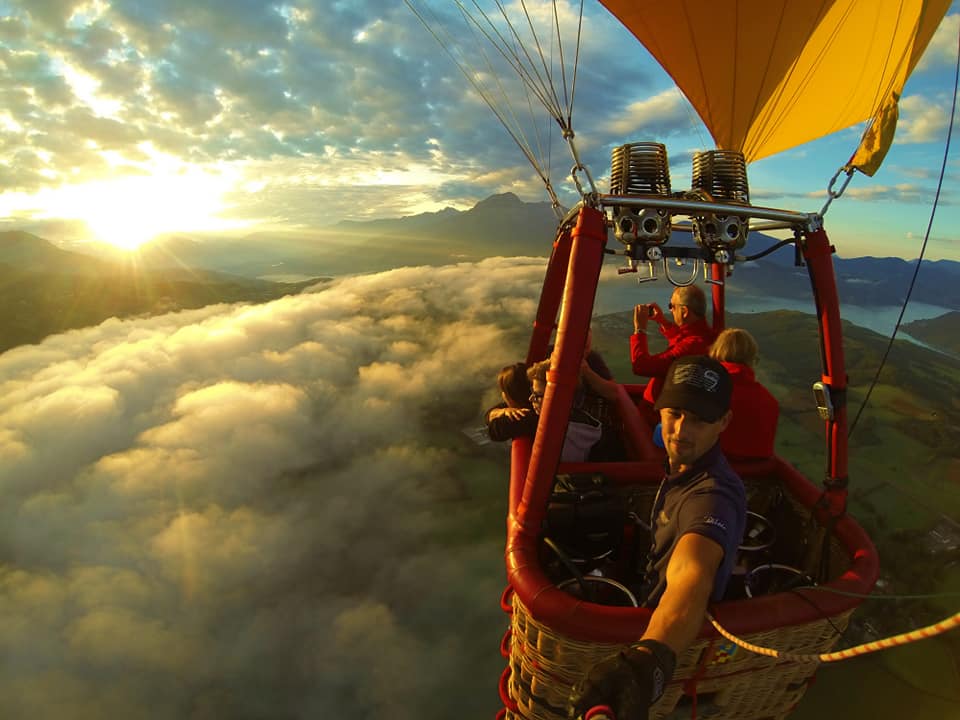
[{"x": 764, "y": 76}]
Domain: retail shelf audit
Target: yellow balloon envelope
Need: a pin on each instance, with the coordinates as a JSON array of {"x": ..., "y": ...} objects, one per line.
[{"x": 767, "y": 75}]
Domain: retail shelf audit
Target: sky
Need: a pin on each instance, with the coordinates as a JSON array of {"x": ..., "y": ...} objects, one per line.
[
  {"x": 122, "y": 119},
  {"x": 262, "y": 511}
]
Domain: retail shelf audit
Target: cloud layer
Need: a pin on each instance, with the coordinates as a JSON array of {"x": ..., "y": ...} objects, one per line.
[{"x": 261, "y": 511}]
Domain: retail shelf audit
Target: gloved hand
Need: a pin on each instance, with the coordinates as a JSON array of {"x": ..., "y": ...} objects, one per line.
[{"x": 628, "y": 682}]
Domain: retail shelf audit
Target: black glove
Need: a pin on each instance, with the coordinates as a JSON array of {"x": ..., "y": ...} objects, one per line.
[{"x": 628, "y": 682}]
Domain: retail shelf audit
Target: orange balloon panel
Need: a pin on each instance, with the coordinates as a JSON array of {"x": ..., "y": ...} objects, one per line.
[{"x": 767, "y": 75}]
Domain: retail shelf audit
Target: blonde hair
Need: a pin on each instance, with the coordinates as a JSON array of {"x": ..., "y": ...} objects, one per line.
[
  {"x": 538, "y": 371},
  {"x": 735, "y": 345}
]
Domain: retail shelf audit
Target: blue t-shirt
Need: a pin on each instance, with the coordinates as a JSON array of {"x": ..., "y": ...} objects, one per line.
[{"x": 708, "y": 499}]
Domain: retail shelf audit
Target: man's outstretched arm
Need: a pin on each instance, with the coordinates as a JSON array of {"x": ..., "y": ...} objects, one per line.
[
  {"x": 636, "y": 677},
  {"x": 678, "y": 617}
]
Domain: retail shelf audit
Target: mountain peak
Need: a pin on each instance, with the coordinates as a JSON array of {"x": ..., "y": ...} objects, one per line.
[
  {"x": 502, "y": 201},
  {"x": 10, "y": 238}
]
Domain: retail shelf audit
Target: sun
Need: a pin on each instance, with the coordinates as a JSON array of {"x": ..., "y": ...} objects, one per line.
[
  {"x": 127, "y": 222},
  {"x": 128, "y": 211}
]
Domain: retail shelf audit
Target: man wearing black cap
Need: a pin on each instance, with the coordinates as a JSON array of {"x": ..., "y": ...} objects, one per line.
[{"x": 698, "y": 520}]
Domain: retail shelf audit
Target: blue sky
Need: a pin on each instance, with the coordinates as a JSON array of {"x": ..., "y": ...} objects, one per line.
[{"x": 121, "y": 119}]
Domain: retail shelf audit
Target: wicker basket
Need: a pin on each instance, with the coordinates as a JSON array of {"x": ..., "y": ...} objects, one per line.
[
  {"x": 726, "y": 682},
  {"x": 714, "y": 678}
]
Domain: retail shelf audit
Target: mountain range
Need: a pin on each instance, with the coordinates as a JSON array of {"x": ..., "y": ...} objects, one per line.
[
  {"x": 499, "y": 225},
  {"x": 865, "y": 281},
  {"x": 504, "y": 225},
  {"x": 45, "y": 289},
  {"x": 49, "y": 288},
  {"x": 940, "y": 332}
]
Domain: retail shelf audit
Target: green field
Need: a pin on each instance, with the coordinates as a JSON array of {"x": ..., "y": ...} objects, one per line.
[{"x": 916, "y": 682}]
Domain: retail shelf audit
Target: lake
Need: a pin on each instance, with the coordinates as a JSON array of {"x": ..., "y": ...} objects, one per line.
[{"x": 616, "y": 295}]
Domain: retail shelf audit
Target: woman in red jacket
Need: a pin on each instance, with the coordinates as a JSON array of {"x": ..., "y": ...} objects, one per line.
[{"x": 753, "y": 427}]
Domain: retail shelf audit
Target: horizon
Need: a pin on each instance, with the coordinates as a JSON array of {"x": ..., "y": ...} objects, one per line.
[
  {"x": 137, "y": 123},
  {"x": 202, "y": 237}
]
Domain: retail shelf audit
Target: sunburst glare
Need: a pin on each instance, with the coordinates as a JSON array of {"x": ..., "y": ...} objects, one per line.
[{"x": 127, "y": 212}]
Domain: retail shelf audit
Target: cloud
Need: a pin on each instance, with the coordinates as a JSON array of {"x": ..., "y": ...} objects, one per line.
[
  {"x": 349, "y": 92},
  {"x": 267, "y": 510},
  {"x": 665, "y": 113},
  {"x": 209, "y": 76},
  {"x": 942, "y": 50},
  {"x": 899, "y": 193},
  {"x": 922, "y": 120},
  {"x": 302, "y": 115}
]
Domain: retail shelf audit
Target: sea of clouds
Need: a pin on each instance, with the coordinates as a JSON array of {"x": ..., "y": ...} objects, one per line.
[{"x": 260, "y": 511}]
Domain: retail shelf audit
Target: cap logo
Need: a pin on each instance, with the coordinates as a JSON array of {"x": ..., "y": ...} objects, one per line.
[
  {"x": 696, "y": 376},
  {"x": 710, "y": 380}
]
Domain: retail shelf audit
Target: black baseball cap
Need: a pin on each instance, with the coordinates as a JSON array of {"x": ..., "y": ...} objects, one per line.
[{"x": 699, "y": 384}]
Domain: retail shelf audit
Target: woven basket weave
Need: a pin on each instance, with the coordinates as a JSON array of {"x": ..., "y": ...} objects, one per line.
[
  {"x": 714, "y": 678},
  {"x": 729, "y": 683}
]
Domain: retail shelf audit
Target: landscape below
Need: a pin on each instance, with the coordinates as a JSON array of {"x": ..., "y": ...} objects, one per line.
[{"x": 904, "y": 449}]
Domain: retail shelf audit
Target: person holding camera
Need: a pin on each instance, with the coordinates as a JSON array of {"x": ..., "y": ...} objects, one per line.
[{"x": 686, "y": 331}]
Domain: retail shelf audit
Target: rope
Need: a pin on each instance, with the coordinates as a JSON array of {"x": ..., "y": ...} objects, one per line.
[
  {"x": 525, "y": 56},
  {"x": 513, "y": 129},
  {"x": 576, "y": 61},
  {"x": 923, "y": 248},
  {"x": 923, "y": 633}
]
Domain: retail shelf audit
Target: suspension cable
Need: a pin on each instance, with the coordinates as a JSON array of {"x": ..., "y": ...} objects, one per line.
[
  {"x": 528, "y": 62},
  {"x": 528, "y": 72},
  {"x": 923, "y": 247},
  {"x": 515, "y": 134},
  {"x": 547, "y": 71},
  {"x": 544, "y": 172},
  {"x": 576, "y": 59}
]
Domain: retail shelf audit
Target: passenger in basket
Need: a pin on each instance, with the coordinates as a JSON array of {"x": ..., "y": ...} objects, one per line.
[
  {"x": 514, "y": 416},
  {"x": 698, "y": 520},
  {"x": 595, "y": 393},
  {"x": 596, "y": 396},
  {"x": 583, "y": 430},
  {"x": 753, "y": 427},
  {"x": 594, "y": 400},
  {"x": 590, "y": 434},
  {"x": 687, "y": 334}
]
